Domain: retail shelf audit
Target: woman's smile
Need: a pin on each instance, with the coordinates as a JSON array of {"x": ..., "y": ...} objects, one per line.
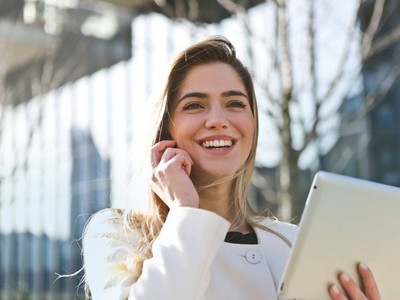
[{"x": 217, "y": 144}]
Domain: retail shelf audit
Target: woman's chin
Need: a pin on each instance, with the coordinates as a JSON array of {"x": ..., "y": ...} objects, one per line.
[{"x": 212, "y": 174}]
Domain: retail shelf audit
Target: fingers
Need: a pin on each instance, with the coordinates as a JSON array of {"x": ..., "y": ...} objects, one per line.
[
  {"x": 336, "y": 293},
  {"x": 186, "y": 165},
  {"x": 368, "y": 290},
  {"x": 158, "y": 150},
  {"x": 352, "y": 289},
  {"x": 164, "y": 152},
  {"x": 170, "y": 175},
  {"x": 370, "y": 286},
  {"x": 177, "y": 157}
]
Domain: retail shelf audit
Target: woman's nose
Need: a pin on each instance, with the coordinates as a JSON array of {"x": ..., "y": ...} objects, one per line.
[{"x": 216, "y": 118}]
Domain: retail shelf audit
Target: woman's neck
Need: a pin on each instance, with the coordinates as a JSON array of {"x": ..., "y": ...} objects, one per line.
[{"x": 219, "y": 199}]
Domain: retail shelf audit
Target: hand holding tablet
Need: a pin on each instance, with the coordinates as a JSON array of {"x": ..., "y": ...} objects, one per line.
[{"x": 345, "y": 221}]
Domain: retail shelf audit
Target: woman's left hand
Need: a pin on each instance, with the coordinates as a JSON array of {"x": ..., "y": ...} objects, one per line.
[{"x": 352, "y": 291}]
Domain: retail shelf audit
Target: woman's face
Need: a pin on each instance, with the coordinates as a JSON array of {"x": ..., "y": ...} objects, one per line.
[{"x": 211, "y": 120}]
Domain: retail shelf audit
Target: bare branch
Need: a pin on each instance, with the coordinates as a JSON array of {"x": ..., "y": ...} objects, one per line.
[
  {"x": 232, "y": 7},
  {"x": 273, "y": 55},
  {"x": 385, "y": 41},
  {"x": 288, "y": 183},
  {"x": 372, "y": 27},
  {"x": 374, "y": 97},
  {"x": 311, "y": 49},
  {"x": 193, "y": 14},
  {"x": 284, "y": 71},
  {"x": 309, "y": 135},
  {"x": 166, "y": 8},
  {"x": 312, "y": 133},
  {"x": 285, "y": 58},
  {"x": 343, "y": 59}
]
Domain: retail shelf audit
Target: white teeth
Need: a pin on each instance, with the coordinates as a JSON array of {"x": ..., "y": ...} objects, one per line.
[{"x": 217, "y": 143}]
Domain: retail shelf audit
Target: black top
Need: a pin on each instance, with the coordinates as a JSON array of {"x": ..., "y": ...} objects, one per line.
[{"x": 236, "y": 237}]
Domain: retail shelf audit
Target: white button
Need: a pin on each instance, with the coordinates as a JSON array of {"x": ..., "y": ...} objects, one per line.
[{"x": 253, "y": 256}]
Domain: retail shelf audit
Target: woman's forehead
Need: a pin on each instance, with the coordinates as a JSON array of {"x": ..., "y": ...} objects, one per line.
[{"x": 214, "y": 77}]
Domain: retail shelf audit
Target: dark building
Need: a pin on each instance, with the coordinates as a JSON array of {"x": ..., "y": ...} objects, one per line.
[{"x": 369, "y": 143}]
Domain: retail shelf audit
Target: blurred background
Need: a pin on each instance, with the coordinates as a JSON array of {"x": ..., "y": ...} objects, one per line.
[{"x": 77, "y": 78}]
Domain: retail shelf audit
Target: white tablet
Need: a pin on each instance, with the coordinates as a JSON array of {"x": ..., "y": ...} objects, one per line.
[{"x": 345, "y": 221}]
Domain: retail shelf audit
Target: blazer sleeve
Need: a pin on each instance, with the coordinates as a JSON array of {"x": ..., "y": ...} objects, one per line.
[{"x": 179, "y": 269}]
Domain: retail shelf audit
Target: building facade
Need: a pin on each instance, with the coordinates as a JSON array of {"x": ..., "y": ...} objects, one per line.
[{"x": 368, "y": 146}]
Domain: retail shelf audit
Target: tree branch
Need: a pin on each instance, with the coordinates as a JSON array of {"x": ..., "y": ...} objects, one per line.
[
  {"x": 285, "y": 58},
  {"x": 343, "y": 59},
  {"x": 374, "y": 97},
  {"x": 373, "y": 26},
  {"x": 193, "y": 14},
  {"x": 232, "y": 7},
  {"x": 309, "y": 135},
  {"x": 386, "y": 41}
]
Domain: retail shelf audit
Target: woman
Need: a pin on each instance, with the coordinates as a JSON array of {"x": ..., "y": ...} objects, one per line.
[{"x": 200, "y": 238}]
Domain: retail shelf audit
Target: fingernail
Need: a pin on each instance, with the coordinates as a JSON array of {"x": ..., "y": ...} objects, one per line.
[
  {"x": 334, "y": 290},
  {"x": 363, "y": 266},
  {"x": 345, "y": 277}
]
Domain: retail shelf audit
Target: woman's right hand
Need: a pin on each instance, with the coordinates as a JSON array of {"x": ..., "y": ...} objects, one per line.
[
  {"x": 170, "y": 179},
  {"x": 368, "y": 290}
]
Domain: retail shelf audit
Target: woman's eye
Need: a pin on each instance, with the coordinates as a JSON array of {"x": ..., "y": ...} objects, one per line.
[
  {"x": 193, "y": 105},
  {"x": 239, "y": 104}
]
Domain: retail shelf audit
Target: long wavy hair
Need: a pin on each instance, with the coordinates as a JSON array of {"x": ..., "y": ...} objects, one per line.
[{"x": 211, "y": 50}]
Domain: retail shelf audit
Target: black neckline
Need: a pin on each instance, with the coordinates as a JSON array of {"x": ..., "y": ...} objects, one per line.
[{"x": 236, "y": 237}]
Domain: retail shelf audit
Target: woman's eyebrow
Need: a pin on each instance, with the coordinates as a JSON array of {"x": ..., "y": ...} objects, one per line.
[
  {"x": 193, "y": 95},
  {"x": 204, "y": 95},
  {"x": 234, "y": 93}
]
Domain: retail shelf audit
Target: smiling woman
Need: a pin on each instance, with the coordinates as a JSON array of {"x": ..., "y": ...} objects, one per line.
[{"x": 200, "y": 238}]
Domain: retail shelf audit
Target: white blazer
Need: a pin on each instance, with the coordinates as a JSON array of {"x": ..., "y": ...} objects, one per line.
[{"x": 190, "y": 260}]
